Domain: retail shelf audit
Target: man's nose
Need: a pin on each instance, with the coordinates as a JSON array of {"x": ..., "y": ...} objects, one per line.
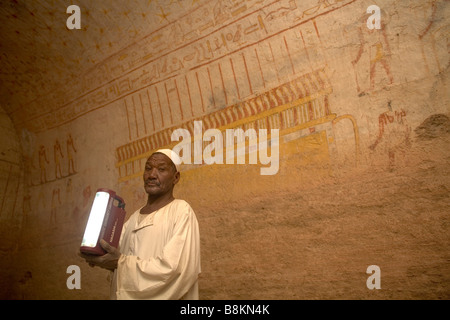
[{"x": 152, "y": 173}]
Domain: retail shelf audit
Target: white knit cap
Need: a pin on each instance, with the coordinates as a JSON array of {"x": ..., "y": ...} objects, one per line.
[{"x": 172, "y": 156}]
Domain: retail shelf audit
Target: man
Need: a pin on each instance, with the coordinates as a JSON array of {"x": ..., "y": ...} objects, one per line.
[{"x": 159, "y": 249}]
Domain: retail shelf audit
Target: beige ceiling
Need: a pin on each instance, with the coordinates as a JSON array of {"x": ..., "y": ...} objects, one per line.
[{"x": 38, "y": 53}]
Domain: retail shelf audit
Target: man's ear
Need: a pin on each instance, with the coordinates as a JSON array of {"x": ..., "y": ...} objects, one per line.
[{"x": 176, "y": 178}]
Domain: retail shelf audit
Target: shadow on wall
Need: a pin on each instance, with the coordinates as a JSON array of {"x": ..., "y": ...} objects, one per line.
[{"x": 433, "y": 127}]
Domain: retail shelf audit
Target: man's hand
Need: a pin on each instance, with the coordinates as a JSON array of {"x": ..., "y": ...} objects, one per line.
[{"x": 106, "y": 261}]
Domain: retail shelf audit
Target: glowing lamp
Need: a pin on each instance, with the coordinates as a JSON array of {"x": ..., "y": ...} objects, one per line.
[{"x": 105, "y": 222}]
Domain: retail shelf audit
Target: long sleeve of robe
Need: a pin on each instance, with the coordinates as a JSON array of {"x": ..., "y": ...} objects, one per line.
[{"x": 160, "y": 255}]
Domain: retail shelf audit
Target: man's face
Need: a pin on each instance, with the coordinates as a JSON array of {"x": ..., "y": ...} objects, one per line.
[{"x": 160, "y": 175}]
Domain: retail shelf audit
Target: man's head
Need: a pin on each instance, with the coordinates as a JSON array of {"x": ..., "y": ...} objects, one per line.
[{"x": 161, "y": 173}]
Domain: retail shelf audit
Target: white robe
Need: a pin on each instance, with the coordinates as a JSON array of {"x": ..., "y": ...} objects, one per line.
[{"x": 160, "y": 255}]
